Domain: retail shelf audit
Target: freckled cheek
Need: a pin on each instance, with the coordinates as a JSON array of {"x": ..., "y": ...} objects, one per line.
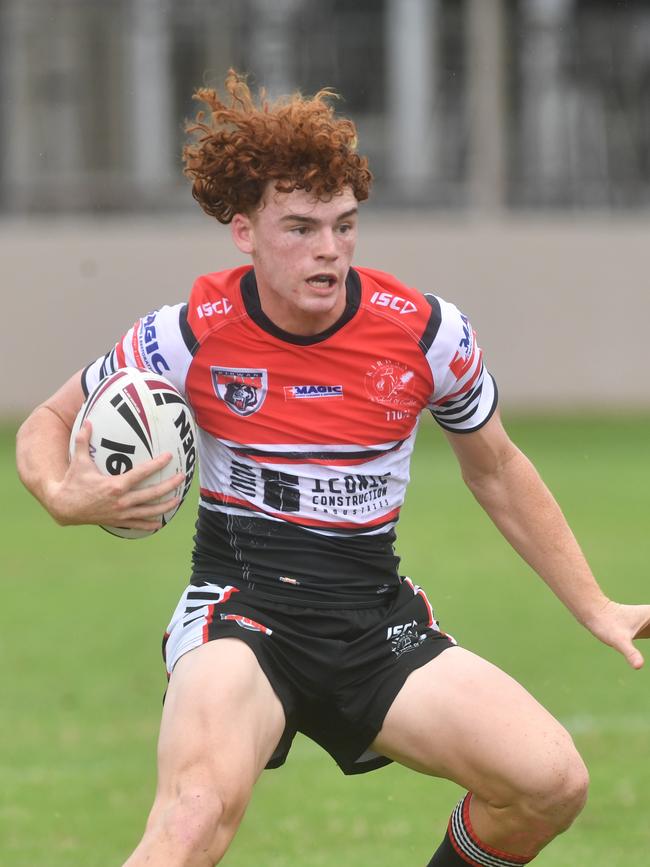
[
  {"x": 289, "y": 261},
  {"x": 283, "y": 254},
  {"x": 346, "y": 247},
  {"x": 288, "y": 253}
]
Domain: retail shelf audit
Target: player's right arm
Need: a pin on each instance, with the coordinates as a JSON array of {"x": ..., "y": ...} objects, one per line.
[{"x": 75, "y": 492}]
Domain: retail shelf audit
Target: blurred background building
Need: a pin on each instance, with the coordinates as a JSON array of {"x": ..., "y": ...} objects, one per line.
[
  {"x": 524, "y": 104},
  {"x": 510, "y": 140}
]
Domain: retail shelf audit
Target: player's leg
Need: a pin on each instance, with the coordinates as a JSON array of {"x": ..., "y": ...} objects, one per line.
[
  {"x": 221, "y": 723},
  {"x": 462, "y": 718}
]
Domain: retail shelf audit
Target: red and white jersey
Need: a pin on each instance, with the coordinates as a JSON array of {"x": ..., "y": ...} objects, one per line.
[{"x": 307, "y": 434}]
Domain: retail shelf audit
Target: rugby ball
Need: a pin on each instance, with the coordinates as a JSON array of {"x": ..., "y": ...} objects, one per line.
[{"x": 137, "y": 415}]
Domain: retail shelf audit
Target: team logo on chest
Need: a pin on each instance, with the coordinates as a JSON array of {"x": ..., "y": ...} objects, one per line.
[
  {"x": 242, "y": 389},
  {"x": 391, "y": 383}
]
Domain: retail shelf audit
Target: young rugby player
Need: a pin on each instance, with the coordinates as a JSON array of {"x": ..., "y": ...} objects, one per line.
[{"x": 307, "y": 377}]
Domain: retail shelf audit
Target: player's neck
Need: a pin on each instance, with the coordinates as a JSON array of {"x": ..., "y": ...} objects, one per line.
[{"x": 304, "y": 317}]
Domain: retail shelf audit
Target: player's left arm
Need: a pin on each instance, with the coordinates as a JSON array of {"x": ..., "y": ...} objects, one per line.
[{"x": 509, "y": 488}]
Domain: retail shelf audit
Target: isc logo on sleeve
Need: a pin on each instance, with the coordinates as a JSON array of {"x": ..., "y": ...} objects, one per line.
[{"x": 393, "y": 302}]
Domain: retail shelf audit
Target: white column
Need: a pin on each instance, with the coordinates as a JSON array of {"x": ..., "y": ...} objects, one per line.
[
  {"x": 487, "y": 111},
  {"x": 42, "y": 75},
  {"x": 65, "y": 161},
  {"x": 546, "y": 104},
  {"x": 16, "y": 121},
  {"x": 151, "y": 91},
  {"x": 410, "y": 32},
  {"x": 271, "y": 45}
]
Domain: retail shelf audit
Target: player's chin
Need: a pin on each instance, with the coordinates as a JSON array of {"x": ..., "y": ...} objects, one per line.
[{"x": 322, "y": 297}]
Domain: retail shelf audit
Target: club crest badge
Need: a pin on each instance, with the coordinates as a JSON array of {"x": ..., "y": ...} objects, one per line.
[
  {"x": 242, "y": 389},
  {"x": 392, "y": 384}
]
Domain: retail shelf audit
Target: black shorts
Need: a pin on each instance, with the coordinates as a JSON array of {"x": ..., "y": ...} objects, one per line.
[{"x": 336, "y": 672}]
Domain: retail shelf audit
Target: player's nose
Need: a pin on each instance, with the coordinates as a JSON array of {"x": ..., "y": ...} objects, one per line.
[{"x": 326, "y": 247}]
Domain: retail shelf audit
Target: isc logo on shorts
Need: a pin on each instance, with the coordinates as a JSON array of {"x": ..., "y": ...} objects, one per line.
[
  {"x": 398, "y": 630},
  {"x": 404, "y": 637}
]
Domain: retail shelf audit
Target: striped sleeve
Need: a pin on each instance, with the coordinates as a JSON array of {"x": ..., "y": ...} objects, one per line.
[
  {"x": 161, "y": 342},
  {"x": 464, "y": 393}
]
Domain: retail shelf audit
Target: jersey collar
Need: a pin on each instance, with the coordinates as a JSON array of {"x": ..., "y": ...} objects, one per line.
[{"x": 253, "y": 307}]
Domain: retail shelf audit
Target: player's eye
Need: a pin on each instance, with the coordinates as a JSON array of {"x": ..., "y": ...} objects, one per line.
[{"x": 299, "y": 230}]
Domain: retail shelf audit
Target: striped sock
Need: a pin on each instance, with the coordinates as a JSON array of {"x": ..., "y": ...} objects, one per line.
[{"x": 461, "y": 846}]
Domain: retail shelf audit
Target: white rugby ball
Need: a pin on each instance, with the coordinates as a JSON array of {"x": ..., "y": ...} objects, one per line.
[{"x": 137, "y": 415}]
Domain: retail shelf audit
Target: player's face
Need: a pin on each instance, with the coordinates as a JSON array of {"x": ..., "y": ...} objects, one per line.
[{"x": 301, "y": 248}]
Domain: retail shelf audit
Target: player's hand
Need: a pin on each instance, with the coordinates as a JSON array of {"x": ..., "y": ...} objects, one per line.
[
  {"x": 86, "y": 496},
  {"x": 619, "y": 625}
]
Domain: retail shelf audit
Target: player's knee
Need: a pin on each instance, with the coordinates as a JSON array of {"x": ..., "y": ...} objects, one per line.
[
  {"x": 192, "y": 818},
  {"x": 544, "y": 802},
  {"x": 560, "y": 793},
  {"x": 202, "y": 818},
  {"x": 569, "y": 793}
]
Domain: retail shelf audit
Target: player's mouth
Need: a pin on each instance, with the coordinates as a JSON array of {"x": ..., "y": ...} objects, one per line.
[{"x": 322, "y": 281}]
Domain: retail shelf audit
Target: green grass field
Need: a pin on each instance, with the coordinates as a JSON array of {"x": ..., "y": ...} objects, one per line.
[{"x": 80, "y": 625}]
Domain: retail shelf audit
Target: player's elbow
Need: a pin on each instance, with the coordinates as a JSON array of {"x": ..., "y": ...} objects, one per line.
[{"x": 23, "y": 436}]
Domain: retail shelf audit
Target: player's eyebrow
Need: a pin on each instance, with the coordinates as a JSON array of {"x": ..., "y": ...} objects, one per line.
[{"x": 302, "y": 218}]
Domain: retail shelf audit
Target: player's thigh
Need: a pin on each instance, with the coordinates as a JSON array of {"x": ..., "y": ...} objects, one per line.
[
  {"x": 221, "y": 721},
  {"x": 462, "y": 718}
]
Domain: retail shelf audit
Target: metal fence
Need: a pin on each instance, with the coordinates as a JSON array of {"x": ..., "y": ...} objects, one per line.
[{"x": 460, "y": 104}]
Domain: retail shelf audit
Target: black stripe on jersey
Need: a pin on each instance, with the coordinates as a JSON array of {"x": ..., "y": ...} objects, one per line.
[
  {"x": 433, "y": 325},
  {"x": 325, "y": 528},
  {"x": 456, "y": 417},
  {"x": 108, "y": 365},
  {"x": 330, "y": 571},
  {"x": 84, "y": 381},
  {"x": 186, "y": 332},
  {"x": 250, "y": 295},
  {"x": 453, "y": 407},
  {"x": 323, "y": 456},
  {"x": 453, "y": 429},
  {"x": 451, "y": 422}
]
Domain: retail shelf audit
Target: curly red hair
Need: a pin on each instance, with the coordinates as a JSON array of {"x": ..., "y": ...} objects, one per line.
[{"x": 297, "y": 142}]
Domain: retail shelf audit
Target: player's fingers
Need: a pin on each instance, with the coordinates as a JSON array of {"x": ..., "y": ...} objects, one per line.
[
  {"x": 140, "y": 473},
  {"x": 641, "y": 627},
  {"x": 148, "y": 468},
  {"x": 644, "y": 632},
  {"x": 154, "y": 492},
  {"x": 635, "y": 658},
  {"x": 632, "y": 654},
  {"x": 82, "y": 442},
  {"x": 153, "y": 510}
]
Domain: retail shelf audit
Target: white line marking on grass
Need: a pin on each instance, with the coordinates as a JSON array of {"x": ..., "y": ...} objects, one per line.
[{"x": 587, "y": 724}]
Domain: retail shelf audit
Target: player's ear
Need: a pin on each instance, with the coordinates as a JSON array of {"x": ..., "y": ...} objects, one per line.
[{"x": 241, "y": 228}]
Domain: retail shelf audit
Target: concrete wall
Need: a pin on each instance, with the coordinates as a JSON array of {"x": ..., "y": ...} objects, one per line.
[{"x": 561, "y": 306}]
